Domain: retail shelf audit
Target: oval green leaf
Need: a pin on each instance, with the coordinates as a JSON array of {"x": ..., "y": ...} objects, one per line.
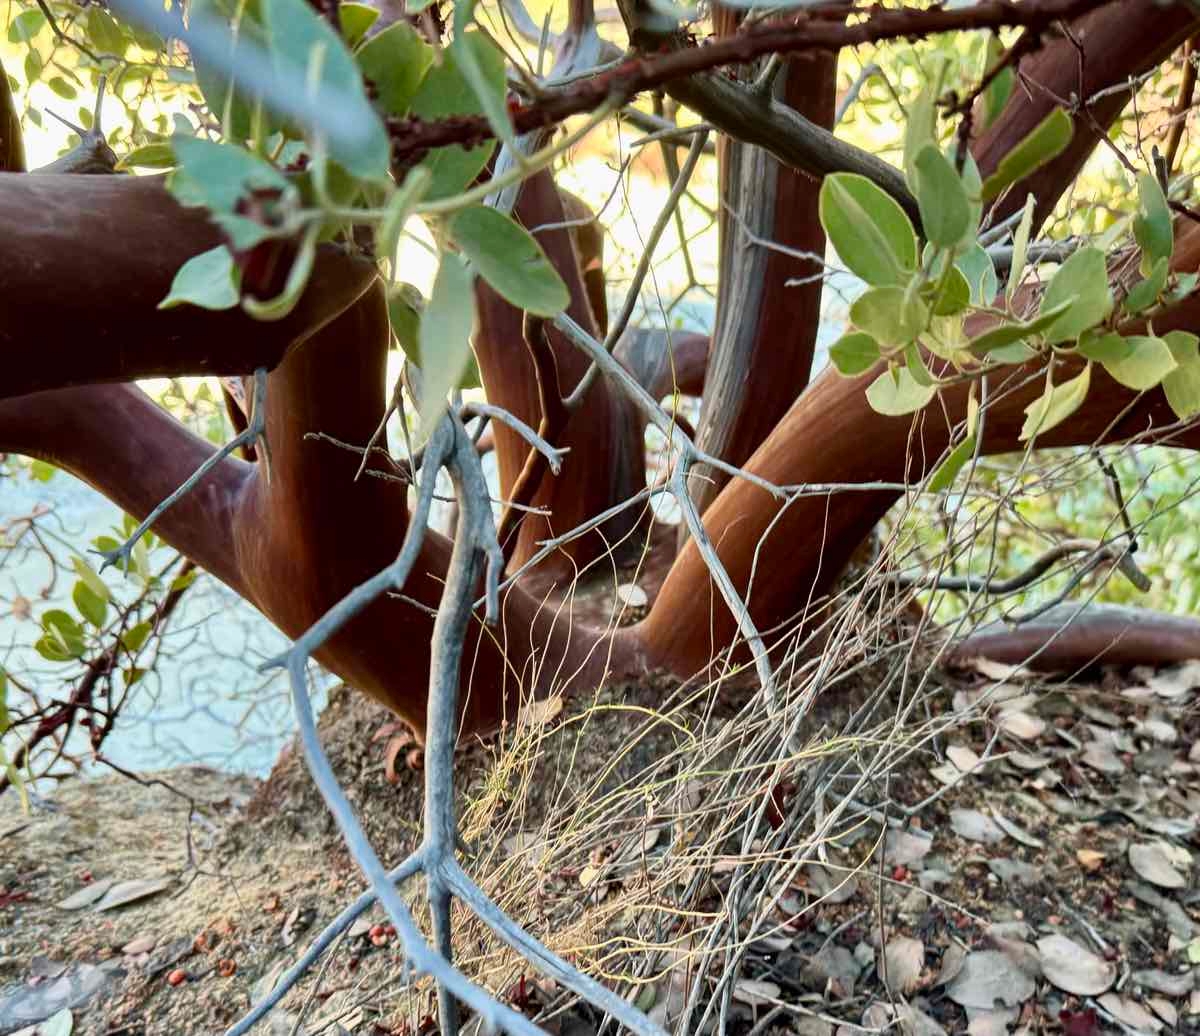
[
  {"x": 1083, "y": 281},
  {"x": 871, "y": 232},
  {"x": 854, "y": 353},
  {"x": 1046, "y": 141},
  {"x": 508, "y": 257},
  {"x": 896, "y": 393},
  {"x": 208, "y": 280}
]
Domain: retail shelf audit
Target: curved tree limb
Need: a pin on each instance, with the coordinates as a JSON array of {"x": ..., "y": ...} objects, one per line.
[{"x": 105, "y": 251}]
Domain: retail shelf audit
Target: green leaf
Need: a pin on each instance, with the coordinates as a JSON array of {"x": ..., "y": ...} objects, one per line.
[
  {"x": 1046, "y": 141},
  {"x": 64, "y": 89},
  {"x": 1106, "y": 347},
  {"x": 62, "y": 636},
  {"x": 921, "y": 129},
  {"x": 231, "y": 106},
  {"x": 182, "y": 582},
  {"x": 91, "y": 607},
  {"x": 88, "y": 574},
  {"x": 491, "y": 97},
  {"x": 300, "y": 38},
  {"x": 41, "y": 471},
  {"x": 355, "y": 20},
  {"x": 404, "y": 199},
  {"x": 951, "y": 295},
  {"x": 995, "y": 97},
  {"x": 404, "y": 313},
  {"x": 150, "y": 156},
  {"x": 218, "y": 176},
  {"x": 209, "y": 280},
  {"x": 396, "y": 61},
  {"x": 445, "y": 337},
  {"x": 896, "y": 393},
  {"x": 1152, "y": 225},
  {"x": 948, "y": 471},
  {"x": 945, "y": 210},
  {"x": 1020, "y": 247},
  {"x": 854, "y": 353},
  {"x": 1083, "y": 281},
  {"x": 977, "y": 266},
  {"x": 104, "y": 32},
  {"x": 1016, "y": 331},
  {"x": 445, "y": 92},
  {"x": 1056, "y": 404},
  {"x": 1145, "y": 293},
  {"x": 134, "y": 637},
  {"x": 1147, "y": 361},
  {"x": 1182, "y": 385},
  {"x": 508, "y": 257},
  {"x": 25, "y": 26},
  {"x": 889, "y": 314},
  {"x": 869, "y": 229}
]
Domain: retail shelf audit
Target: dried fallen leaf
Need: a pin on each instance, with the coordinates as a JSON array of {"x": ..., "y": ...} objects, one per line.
[
  {"x": 989, "y": 978},
  {"x": 1074, "y": 969},
  {"x": 127, "y": 892},
  {"x": 963, "y": 758},
  {"x": 87, "y": 895},
  {"x": 755, "y": 992},
  {"x": 1089, "y": 859},
  {"x": 539, "y": 713},
  {"x": 1166, "y": 1010},
  {"x": 991, "y": 1023},
  {"x": 1101, "y": 758},
  {"x": 1022, "y": 724},
  {"x": 905, "y": 847},
  {"x": 1152, "y": 864},
  {"x": 1029, "y": 761},
  {"x": 1016, "y": 831},
  {"x": 1130, "y": 1012},
  {"x": 144, "y": 942},
  {"x": 904, "y": 958},
  {"x": 975, "y": 826},
  {"x": 632, "y": 596},
  {"x": 998, "y": 670}
]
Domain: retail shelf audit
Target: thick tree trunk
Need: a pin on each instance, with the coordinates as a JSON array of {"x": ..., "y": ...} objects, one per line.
[
  {"x": 762, "y": 347},
  {"x": 85, "y": 262}
]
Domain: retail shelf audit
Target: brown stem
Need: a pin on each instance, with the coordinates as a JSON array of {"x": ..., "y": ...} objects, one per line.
[{"x": 1187, "y": 88}]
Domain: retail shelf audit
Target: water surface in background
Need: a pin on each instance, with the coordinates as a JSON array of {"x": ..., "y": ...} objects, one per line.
[{"x": 205, "y": 701}]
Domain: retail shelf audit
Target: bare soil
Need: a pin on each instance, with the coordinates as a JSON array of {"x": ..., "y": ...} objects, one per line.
[{"x": 1080, "y": 824}]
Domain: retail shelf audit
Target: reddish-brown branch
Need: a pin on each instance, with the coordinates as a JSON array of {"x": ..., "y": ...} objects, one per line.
[
  {"x": 766, "y": 326},
  {"x": 553, "y": 420},
  {"x": 1118, "y": 43},
  {"x": 605, "y": 464},
  {"x": 85, "y": 262},
  {"x": 816, "y": 29},
  {"x": 1069, "y": 638}
]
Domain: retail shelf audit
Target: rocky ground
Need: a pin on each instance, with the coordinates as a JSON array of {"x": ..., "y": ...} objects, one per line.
[{"x": 1045, "y": 881}]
